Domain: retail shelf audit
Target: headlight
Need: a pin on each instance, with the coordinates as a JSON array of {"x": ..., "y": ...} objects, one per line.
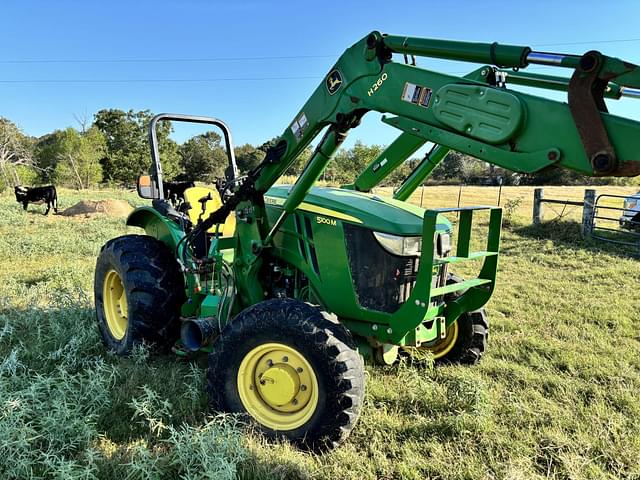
[
  {"x": 403, "y": 246},
  {"x": 443, "y": 244},
  {"x": 630, "y": 204}
]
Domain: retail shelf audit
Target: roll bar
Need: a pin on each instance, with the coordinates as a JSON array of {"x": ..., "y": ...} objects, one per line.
[{"x": 156, "y": 166}]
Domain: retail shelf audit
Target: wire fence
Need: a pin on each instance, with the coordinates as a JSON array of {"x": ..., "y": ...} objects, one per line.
[{"x": 606, "y": 218}]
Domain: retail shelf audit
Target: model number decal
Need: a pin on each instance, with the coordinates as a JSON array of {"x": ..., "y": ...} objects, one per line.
[
  {"x": 272, "y": 201},
  {"x": 326, "y": 221},
  {"x": 374, "y": 88}
]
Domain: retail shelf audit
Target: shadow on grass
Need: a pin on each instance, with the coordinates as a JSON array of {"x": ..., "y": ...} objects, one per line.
[
  {"x": 568, "y": 234},
  {"x": 64, "y": 340},
  {"x": 259, "y": 464}
]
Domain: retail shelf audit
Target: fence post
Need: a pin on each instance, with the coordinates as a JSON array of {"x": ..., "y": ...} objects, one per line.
[
  {"x": 538, "y": 195},
  {"x": 588, "y": 211}
]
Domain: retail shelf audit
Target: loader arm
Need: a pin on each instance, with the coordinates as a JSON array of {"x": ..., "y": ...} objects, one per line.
[{"x": 476, "y": 114}]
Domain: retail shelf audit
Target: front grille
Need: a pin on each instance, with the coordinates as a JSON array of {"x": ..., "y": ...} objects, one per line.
[{"x": 382, "y": 281}]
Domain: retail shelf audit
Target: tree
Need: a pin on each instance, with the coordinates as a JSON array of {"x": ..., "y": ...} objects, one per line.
[
  {"x": 451, "y": 167},
  {"x": 78, "y": 158},
  {"x": 348, "y": 164},
  {"x": 70, "y": 158},
  {"x": 128, "y": 151},
  {"x": 300, "y": 163},
  {"x": 203, "y": 158},
  {"x": 15, "y": 152},
  {"x": 46, "y": 152},
  {"x": 401, "y": 173},
  {"x": 248, "y": 157}
]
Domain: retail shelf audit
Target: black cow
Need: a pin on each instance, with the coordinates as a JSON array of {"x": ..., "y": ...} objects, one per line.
[
  {"x": 174, "y": 191},
  {"x": 48, "y": 195}
]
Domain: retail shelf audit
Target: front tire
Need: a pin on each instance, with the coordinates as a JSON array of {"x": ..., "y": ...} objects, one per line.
[
  {"x": 466, "y": 339},
  {"x": 293, "y": 369},
  {"x": 138, "y": 291}
]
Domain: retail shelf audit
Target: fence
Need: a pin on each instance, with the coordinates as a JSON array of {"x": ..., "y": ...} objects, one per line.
[
  {"x": 587, "y": 208},
  {"x": 602, "y": 217},
  {"x": 626, "y": 229}
]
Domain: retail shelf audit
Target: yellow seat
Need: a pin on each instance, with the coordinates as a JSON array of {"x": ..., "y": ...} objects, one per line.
[{"x": 194, "y": 194}]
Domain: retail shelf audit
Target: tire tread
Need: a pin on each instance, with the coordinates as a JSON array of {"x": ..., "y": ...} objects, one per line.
[{"x": 328, "y": 337}]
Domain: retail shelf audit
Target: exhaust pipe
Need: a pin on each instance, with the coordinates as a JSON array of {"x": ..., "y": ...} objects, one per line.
[{"x": 197, "y": 333}]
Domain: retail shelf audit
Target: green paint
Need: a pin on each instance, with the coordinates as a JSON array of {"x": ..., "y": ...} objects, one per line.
[
  {"x": 303, "y": 228},
  {"x": 209, "y": 306}
]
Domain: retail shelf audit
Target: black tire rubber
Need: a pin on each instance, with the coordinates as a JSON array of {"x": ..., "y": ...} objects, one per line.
[
  {"x": 473, "y": 334},
  {"x": 321, "y": 339},
  {"x": 154, "y": 287},
  {"x": 634, "y": 225}
]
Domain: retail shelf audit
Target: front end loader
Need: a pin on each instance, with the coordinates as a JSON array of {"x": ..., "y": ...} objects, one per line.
[{"x": 289, "y": 287}]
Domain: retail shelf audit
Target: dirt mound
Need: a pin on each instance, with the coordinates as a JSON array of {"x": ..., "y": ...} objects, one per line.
[{"x": 113, "y": 208}]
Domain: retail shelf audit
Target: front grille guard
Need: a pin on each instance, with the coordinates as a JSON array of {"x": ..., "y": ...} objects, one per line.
[{"x": 407, "y": 325}]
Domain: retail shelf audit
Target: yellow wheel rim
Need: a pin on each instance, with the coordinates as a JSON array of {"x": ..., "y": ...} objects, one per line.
[
  {"x": 277, "y": 386},
  {"x": 441, "y": 347},
  {"x": 116, "y": 309}
]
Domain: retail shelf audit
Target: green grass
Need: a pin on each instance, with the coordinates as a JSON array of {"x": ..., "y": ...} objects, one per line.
[{"x": 556, "y": 396}]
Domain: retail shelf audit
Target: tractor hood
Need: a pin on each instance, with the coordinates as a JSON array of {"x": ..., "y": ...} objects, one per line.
[{"x": 381, "y": 214}]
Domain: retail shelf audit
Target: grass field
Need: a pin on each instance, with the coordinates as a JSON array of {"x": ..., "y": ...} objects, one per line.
[{"x": 556, "y": 396}]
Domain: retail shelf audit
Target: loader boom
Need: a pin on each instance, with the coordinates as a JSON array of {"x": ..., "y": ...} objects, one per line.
[{"x": 476, "y": 114}]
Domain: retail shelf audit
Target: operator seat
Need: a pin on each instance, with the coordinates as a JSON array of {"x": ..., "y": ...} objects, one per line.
[{"x": 193, "y": 195}]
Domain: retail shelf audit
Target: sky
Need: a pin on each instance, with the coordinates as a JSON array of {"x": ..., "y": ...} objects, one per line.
[{"x": 254, "y": 63}]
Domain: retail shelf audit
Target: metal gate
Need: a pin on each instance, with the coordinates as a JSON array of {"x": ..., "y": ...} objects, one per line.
[{"x": 612, "y": 222}]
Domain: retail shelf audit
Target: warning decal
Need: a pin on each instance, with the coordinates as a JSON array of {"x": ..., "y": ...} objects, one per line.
[
  {"x": 416, "y": 94},
  {"x": 299, "y": 125}
]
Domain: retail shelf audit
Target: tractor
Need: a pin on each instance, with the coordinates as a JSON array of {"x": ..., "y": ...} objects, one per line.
[{"x": 290, "y": 288}]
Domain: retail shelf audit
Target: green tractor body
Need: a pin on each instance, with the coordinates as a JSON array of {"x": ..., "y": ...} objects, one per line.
[
  {"x": 360, "y": 256},
  {"x": 289, "y": 287}
]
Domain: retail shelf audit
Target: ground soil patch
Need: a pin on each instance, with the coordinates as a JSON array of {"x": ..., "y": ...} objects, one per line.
[{"x": 111, "y": 207}]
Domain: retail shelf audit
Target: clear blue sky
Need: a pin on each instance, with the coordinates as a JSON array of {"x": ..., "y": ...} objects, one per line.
[{"x": 259, "y": 97}]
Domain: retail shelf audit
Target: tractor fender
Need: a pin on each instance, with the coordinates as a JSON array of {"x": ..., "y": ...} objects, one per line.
[{"x": 156, "y": 226}]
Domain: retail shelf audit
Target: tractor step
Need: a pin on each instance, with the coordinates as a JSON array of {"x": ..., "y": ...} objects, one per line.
[
  {"x": 455, "y": 259},
  {"x": 456, "y": 287}
]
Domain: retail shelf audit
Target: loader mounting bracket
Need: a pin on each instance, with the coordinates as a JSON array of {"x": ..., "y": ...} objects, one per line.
[{"x": 586, "y": 101}]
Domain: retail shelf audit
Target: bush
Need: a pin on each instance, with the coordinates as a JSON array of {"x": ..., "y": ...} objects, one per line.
[{"x": 55, "y": 387}]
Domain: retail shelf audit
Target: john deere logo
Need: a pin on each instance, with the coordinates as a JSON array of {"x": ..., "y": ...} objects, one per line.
[{"x": 334, "y": 81}]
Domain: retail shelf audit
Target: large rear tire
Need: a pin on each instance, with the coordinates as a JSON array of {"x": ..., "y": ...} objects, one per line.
[
  {"x": 138, "y": 291},
  {"x": 291, "y": 368}
]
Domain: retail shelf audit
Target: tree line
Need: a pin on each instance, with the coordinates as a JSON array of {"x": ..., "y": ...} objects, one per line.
[{"x": 114, "y": 150}]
